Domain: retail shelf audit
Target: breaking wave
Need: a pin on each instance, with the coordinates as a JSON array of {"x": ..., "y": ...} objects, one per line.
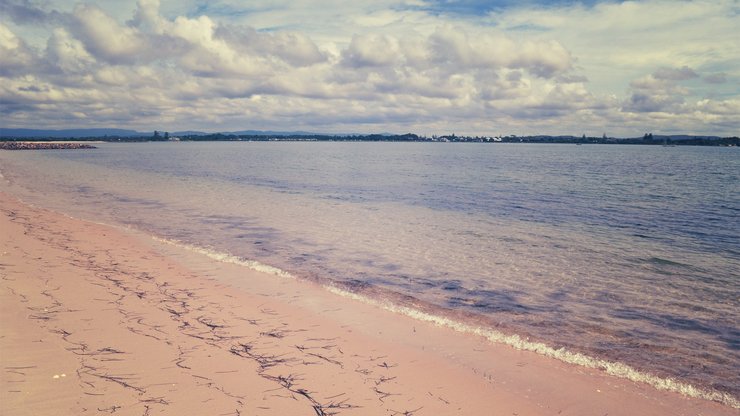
[{"x": 227, "y": 258}]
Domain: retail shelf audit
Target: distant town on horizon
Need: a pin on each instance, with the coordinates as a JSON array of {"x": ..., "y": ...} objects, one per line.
[{"x": 123, "y": 135}]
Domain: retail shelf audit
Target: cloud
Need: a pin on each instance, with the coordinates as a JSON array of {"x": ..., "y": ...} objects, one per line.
[
  {"x": 544, "y": 59},
  {"x": 147, "y": 16},
  {"x": 206, "y": 54},
  {"x": 293, "y": 49},
  {"x": 372, "y": 51},
  {"x": 423, "y": 66},
  {"x": 15, "y": 55},
  {"x": 449, "y": 50},
  {"x": 718, "y": 78},
  {"x": 641, "y": 102},
  {"x": 659, "y": 92},
  {"x": 716, "y": 108},
  {"x": 675, "y": 74},
  {"x": 25, "y": 12},
  {"x": 453, "y": 46},
  {"x": 105, "y": 38},
  {"x": 67, "y": 53}
]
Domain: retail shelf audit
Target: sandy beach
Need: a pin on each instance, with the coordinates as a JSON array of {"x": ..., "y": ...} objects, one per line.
[{"x": 99, "y": 320}]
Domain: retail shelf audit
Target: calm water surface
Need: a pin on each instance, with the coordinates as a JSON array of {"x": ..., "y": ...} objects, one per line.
[{"x": 629, "y": 253}]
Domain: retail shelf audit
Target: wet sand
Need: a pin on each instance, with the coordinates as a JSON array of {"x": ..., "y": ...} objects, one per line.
[{"x": 98, "y": 320}]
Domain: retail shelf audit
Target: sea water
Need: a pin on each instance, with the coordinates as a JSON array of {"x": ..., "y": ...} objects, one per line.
[{"x": 628, "y": 255}]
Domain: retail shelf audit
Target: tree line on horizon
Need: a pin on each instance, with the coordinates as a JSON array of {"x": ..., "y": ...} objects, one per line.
[{"x": 647, "y": 139}]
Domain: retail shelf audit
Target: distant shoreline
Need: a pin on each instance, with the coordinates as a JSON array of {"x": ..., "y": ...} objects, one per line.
[
  {"x": 43, "y": 145},
  {"x": 678, "y": 140}
]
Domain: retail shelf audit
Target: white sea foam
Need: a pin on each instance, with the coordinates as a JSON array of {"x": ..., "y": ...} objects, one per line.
[
  {"x": 613, "y": 368},
  {"x": 228, "y": 258},
  {"x": 616, "y": 369}
]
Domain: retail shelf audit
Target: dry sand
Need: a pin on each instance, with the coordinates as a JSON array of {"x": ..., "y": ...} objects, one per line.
[{"x": 98, "y": 320}]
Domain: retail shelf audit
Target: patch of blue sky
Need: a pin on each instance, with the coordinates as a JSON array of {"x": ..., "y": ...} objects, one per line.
[
  {"x": 481, "y": 7},
  {"x": 528, "y": 27},
  {"x": 280, "y": 28},
  {"x": 222, "y": 10}
]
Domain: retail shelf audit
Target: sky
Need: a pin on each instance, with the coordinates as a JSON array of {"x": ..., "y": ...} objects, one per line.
[{"x": 469, "y": 67}]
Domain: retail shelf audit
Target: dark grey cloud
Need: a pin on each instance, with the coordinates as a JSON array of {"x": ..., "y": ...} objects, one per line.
[
  {"x": 28, "y": 12},
  {"x": 675, "y": 74},
  {"x": 33, "y": 88},
  {"x": 718, "y": 78},
  {"x": 644, "y": 102}
]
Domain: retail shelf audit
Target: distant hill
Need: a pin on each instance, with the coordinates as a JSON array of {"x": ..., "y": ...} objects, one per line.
[
  {"x": 270, "y": 133},
  {"x": 34, "y": 133},
  {"x": 188, "y": 133},
  {"x": 680, "y": 137}
]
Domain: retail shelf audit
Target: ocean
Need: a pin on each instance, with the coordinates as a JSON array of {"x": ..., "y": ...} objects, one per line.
[{"x": 614, "y": 256}]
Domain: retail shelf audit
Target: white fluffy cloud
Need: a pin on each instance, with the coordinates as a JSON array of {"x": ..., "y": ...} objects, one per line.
[
  {"x": 15, "y": 55},
  {"x": 105, "y": 38},
  {"x": 622, "y": 67},
  {"x": 68, "y": 53}
]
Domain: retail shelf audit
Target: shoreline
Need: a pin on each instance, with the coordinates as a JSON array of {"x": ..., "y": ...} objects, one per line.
[
  {"x": 132, "y": 326},
  {"x": 461, "y": 322},
  {"x": 45, "y": 145}
]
